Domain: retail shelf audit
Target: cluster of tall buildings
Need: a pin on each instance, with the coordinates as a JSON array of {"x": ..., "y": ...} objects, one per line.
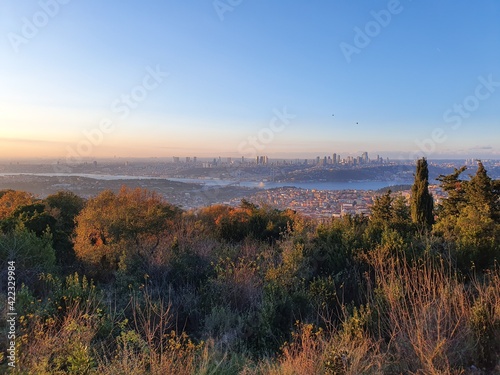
[
  {"x": 262, "y": 160},
  {"x": 335, "y": 159},
  {"x": 177, "y": 159}
]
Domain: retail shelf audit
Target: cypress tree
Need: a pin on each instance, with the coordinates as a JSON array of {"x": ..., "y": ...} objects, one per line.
[{"x": 422, "y": 203}]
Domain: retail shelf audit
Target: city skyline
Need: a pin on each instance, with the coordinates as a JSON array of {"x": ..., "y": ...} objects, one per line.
[{"x": 395, "y": 78}]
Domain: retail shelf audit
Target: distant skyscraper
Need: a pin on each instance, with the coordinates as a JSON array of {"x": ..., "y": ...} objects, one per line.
[
  {"x": 262, "y": 160},
  {"x": 364, "y": 157},
  {"x": 334, "y": 158},
  {"x": 176, "y": 159}
]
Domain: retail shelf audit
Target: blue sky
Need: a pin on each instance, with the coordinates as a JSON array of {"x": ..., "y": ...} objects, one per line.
[{"x": 68, "y": 66}]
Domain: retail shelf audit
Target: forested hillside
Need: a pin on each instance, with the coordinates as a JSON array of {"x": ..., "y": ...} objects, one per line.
[{"x": 126, "y": 283}]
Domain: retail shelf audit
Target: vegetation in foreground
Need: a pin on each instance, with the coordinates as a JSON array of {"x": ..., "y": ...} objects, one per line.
[{"x": 129, "y": 284}]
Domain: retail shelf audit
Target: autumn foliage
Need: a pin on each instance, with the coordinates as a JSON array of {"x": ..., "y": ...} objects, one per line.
[
  {"x": 115, "y": 227},
  {"x": 127, "y": 283}
]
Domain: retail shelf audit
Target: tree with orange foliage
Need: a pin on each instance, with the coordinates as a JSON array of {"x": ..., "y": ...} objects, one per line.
[
  {"x": 114, "y": 228},
  {"x": 248, "y": 220},
  {"x": 11, "y": 199}
]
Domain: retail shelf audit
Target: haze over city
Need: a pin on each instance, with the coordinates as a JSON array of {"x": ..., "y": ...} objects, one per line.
[{"x": 165, "y": 78}]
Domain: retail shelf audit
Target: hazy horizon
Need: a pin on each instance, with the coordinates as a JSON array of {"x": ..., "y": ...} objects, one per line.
[
  {"x": 309, "y": 157},
  {"x": 400, "y": 79}
]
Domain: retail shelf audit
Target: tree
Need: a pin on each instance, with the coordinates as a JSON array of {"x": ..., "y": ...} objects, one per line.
[
  {"x": 64, "y": 206},
  {"x": 35, "y": 218},
  {"x": 32, "y": 254},
  {"x": 450, "y": 208},
  {"x": 455, "y": 189},
  {"x": 389, "y": 215},
  {"x": 479, "y": 234},
  {"x": 11, "y": 199},
  {"x": 114, "y": 228},
  {"x": 480, "y": 192},
  {"x": 468, "y": 218},
  {"x": 496, "y": 192},
  {"x": 382, "y": 208},
  {"x": 477, "y": 239},
  {"x": 422, "y": 203},
  {"x": 249, "y": 220},
  {"x": 401, "y": 216}
]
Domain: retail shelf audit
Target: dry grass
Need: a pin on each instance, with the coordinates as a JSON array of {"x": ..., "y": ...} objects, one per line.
[
  {"x": 425, "y": 312},
  {"x": 420, "y": 319},
  {"x": 423, "y": 320},
  {"x": 57, "y": 347},
  {"x": 152, "y": 346},
  {"x": 315, "y": 352}
]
